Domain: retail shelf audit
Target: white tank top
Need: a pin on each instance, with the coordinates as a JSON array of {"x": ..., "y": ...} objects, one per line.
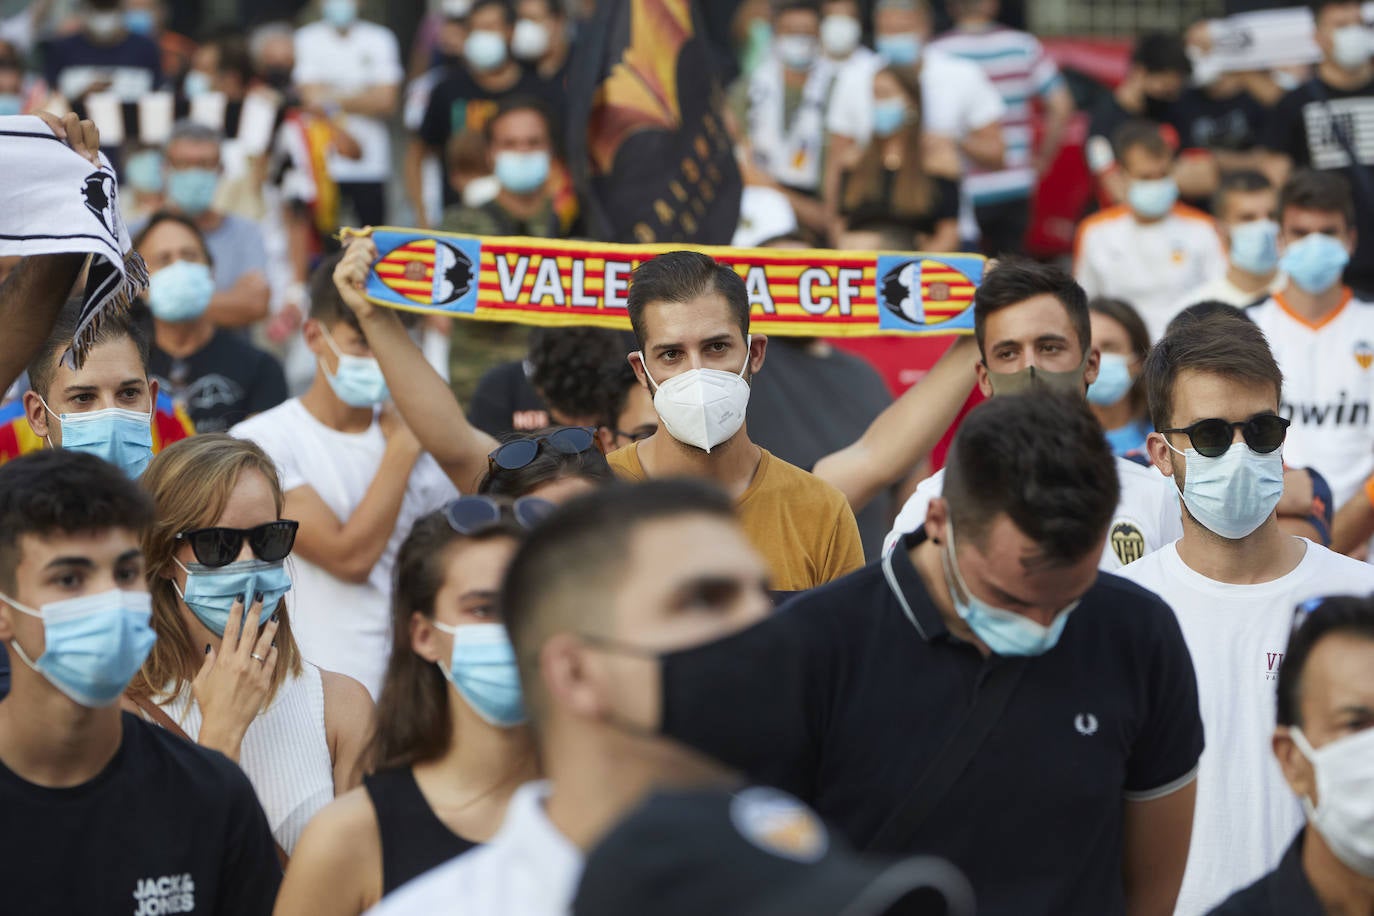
[{"x": 285, "y": 752}]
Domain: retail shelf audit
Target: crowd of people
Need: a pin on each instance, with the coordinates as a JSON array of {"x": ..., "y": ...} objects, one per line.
[{"x": 309, "y": 606}]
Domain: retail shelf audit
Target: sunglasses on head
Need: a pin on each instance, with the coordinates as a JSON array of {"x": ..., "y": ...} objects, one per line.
[
  {"x": 519, "y": 453},
  {"x": 470, "y": 515},
  {"x": 215, "y": 547},
  {"x": 1212, "y": 437}
]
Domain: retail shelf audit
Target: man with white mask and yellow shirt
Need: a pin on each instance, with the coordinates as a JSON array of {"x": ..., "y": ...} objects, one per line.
[{"x": 691, "y": 318}]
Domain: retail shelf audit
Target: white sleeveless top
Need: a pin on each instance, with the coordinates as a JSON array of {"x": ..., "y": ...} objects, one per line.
[{"x": 285, "y": 752}]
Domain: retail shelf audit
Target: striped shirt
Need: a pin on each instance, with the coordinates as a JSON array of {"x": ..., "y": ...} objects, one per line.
[{"x": 1021, "y": 71}]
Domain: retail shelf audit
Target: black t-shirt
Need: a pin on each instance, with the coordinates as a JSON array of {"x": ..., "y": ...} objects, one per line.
[
  {"x": 222, "y": 383},
  {"x": 1304, "y": 125},
  {"x": 1203, "y": 122},
  {"x": 505, "y": 402},
  {"x": 167, "y": 827},
  {"x": 459, "y": 102},
  {"x": 1285, "y": 891},
  {"x": 803, "y": 406},
  {"x": 843, "y": 697},
  {"x": 943, "y": 204}
]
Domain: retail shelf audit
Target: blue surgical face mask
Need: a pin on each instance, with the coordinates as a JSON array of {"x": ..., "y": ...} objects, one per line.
[
  {"x": 143, "y": 170},
  {"x": 1233, "y": 494},
  {"x": 1004, "y": 632},
  {"x": 140, "y": 22},
  {"x": 482, "y": 669},
  {"x": 889, "y": 115},
  {"x": 485, "y": 50},
  {"x": 92, "y": 645},
  {"x": 211, "y": 591},
  {"x": 11, "y": 104},
  {"x": 196, "y": 83},
  {"x": 1152, "y": 199},
  {"x": 181, "y": 291},
  {"x": 1113, "y": 380},
  {"x": 359, "y": 381},
  {"x": 192, "y": 190},
  {"x": 1255, "y": 246},
  {"x": 522, "y": 173},
  {"x": 124, "y": 438},
  {"x": 902, "y": 49},
  {"x": 339, "y": 13},
  {"x": 1315, "y": 262}
]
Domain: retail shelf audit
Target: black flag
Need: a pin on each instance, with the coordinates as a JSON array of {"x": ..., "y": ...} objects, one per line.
[{"x": 647, "y": 145}]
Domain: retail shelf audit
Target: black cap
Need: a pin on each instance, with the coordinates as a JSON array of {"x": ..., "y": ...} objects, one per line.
[{"x": 753, "y": 852}]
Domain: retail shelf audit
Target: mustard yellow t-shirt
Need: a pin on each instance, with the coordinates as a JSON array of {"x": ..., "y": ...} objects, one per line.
[{"x": 801, "y": 525}]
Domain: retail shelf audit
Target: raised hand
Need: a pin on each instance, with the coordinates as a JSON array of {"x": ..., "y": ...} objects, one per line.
[{"x": 234, "y": 681}]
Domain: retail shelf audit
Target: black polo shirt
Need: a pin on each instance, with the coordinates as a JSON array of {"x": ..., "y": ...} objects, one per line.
[
  {"x": 1285, "y": 891},
  {"x": 844, "y": 696}
]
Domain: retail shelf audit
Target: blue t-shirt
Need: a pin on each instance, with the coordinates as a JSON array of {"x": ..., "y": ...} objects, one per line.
[{"x": 1129, "y": 441}]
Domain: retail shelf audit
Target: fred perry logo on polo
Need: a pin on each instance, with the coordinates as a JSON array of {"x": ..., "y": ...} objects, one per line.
[
  {"x": 1127, "y": 540},
  {"x": 779, "y": 824},
  {"x": 165, "y": 895},
  {"x": 1364, "y": 354},
  {"x": 1085, "y": 723}
]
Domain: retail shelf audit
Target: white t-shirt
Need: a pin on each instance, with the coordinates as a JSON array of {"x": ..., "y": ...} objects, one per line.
[
  {"x": 1246, "y": 814},
  {"x": 1328, "y": 389},
  {"x": 957, "y": 97},
  {"x": 1147, "y": 515},
  {"x": 528, "y": 869},
  {"x": 365, "y": 56},
  {"x": 1223, "y": 290},
  {"x": 1150, "y": 265},
  {"x": 342, "y": 626}
]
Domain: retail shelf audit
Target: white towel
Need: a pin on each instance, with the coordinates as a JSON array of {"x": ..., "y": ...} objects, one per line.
[{"x": 53, "y": 201}]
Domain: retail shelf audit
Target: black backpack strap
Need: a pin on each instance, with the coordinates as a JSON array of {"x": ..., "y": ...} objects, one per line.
[{"x": 989, "y": 702}]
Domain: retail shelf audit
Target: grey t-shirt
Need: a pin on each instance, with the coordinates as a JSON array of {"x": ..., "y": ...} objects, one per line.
[{"x": 237, "y": 248}]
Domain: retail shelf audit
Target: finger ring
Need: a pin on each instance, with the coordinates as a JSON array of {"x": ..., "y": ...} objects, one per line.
[{"x": 258, "y": 657}]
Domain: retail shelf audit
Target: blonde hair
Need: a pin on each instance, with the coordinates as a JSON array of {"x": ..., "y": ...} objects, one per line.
[{"x": 190, "y": 482}]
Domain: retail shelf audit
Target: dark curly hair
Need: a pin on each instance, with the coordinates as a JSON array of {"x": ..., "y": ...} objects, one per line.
[{"x": 570, "y": 366}]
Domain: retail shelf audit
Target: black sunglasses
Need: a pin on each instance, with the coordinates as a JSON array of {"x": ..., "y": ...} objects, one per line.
[
  {"x": 470, "y": 515},
  {"x": 639, "y": 433},
  {"x": 570, "y": 440},
  {"x": 215, "y": 547},
  {"x": 1213, "y": 437}
]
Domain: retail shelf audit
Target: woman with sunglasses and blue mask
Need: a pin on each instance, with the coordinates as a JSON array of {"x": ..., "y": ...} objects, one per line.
[
  {"x": 449, "y": 747},
  {"x": 1117, "y": 397},
  {"x": 226, "y": 670}
]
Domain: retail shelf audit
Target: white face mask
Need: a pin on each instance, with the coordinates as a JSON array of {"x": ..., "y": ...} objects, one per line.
[
  {"x": 1344, "y": 813},
  {"x": 840, "y": 35},
  {"x": 702, "y": 407},
  {"x": 1350, "y": 47}
]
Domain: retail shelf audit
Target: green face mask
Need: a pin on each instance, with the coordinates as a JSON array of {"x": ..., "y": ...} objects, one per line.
[{"x": 1029, "y": 378}]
